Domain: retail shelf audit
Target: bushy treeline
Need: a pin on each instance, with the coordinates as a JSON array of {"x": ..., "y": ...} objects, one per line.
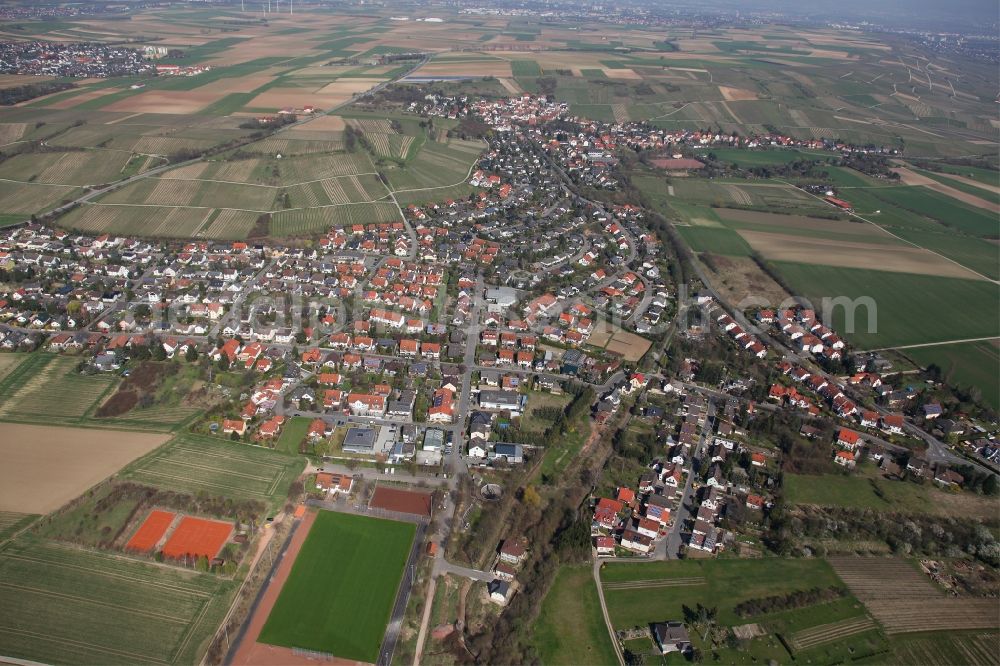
[
  {"x": 17, "y": 94},
  {"x": 790, "y": 601}
]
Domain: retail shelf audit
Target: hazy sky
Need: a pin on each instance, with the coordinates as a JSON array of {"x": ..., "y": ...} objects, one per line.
[{"x": 983, "y": 13}]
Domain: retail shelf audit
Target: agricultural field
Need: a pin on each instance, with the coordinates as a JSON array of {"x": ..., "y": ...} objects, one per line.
[
  {"x": 966, "y": 365},
  {"x": 306, "y": 221},
  {"x": 570, "y": 628},
  {"x": 341, "y": 609},
  {"x": 898, "y": 595},
  {"x": 102, "y": 608},
  {"x": 45, "y": 388},
  {"x": 192, "y": 464},
  {"x": 86, "y": 456},
  {"x": 940, "y": 649},
  {"x": 826, "y": 632},
  {"x": 962, "y": 308}
]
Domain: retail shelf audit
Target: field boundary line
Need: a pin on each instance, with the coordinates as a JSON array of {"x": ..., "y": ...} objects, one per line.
[
  {"x": 933, "y": 344},
  {"x": 189, "y": 631},
  {"x": 94, "y": 602}
]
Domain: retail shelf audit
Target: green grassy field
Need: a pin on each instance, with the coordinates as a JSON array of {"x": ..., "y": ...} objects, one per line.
[
  {"x": 192, "y": 464},
  {"x": 944, "y": 209},
  {"x": 968, "y": 188},
  {"x": 911, "y": 309},
  {"x": 570, "y": 628},
  {"x": 722, "y": 584},
  {"x": 342, "y": 587},
  {"x": 715, "y": 240},
  {"x": 75, "y": 605},
  {"x": 539, "y": 400},
  {"x": 11, "y": 522},
  {"x": 292, "y": 435},
  {"x": 755, "y": 158},
  {"x": 868, "y": 490},
  {"x": 45, "y": 388},
  {"x": 975, "y": 253},
  {"x": 966, "y": 365}
]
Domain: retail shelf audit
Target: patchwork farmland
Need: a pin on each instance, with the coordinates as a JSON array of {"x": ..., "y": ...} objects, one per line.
[{"x": 82, "y": 605}]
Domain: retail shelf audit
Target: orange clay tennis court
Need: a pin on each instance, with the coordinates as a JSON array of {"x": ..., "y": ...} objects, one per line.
[
  {"x": 197, "y": 537},
  {"x": 151, "y": 531}
]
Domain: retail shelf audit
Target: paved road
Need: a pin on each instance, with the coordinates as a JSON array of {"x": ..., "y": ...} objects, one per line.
[
  {"x": 443, "y": 566},
  {"x": 672, "y": 543}
]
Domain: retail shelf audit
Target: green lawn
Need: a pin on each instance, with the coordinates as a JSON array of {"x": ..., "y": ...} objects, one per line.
[
  {"x": 965, "y": 365},
  {"x": 342, "y": 587},
  {"x": 570, "y": 628},
  {"x": 292, "y": 434},
  {"x": 910, "y": 309}
]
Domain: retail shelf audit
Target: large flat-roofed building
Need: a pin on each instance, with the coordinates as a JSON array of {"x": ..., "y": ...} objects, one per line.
[{"x": 360, "y": 440}]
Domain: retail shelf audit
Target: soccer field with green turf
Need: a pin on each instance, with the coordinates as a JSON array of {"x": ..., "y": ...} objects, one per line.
[{"x": 340, "y": 592}]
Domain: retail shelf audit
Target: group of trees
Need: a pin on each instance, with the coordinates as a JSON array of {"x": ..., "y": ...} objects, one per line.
[
  {"x": 796, "y": 532},
  {"x": 790, "y": 601},
  {"x": 17, "y": 94}
]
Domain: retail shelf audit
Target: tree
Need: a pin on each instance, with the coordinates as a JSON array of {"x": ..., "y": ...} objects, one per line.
[
  {"x": 223, "y": 362},
  {"x": 531, "y": 497},
  {"x": 192, "y": 354},
  {"x": 990, "y": 485}
]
